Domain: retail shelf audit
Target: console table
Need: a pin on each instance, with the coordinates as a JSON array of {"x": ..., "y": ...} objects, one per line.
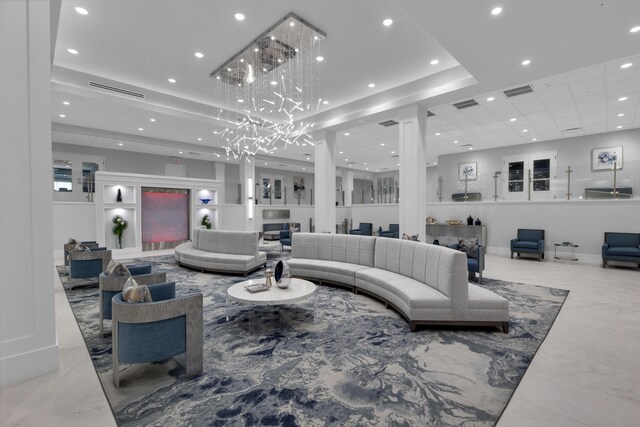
[{"x": 440, "y": 230}]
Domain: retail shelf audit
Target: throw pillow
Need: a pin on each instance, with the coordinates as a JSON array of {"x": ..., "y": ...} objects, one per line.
[
  {"x": 135, "y": 293},
  {"x": 470, "y": 247},
  {"x": 413, "y": 238},
  {"x": 79, "y": 247},
  {"x": 116, "y": 269}
]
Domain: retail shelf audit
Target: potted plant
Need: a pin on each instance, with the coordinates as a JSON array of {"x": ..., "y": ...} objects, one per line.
[
  {"x": 206, "y": 222},
  {"x": 119, "y": 225}
]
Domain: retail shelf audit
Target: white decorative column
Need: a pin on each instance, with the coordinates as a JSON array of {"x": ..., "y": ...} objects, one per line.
[
  {"x": 218, "y": 170},
  {"x": 28, "y": 344},
  {"x": 413, "y": 170},
  {"x": 248, "y": 194},
  {"x": 347, "y": 187},
  {"x": 325, "y": 181}
]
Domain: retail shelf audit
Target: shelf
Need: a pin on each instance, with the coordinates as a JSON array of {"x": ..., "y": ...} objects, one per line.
[{"x": 119, "y": 205}]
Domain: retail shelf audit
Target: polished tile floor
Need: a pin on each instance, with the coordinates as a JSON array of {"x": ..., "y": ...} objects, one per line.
[{"x": 587, "y": 372}]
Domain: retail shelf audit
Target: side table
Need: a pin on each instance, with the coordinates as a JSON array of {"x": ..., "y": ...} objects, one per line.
[{"x": 565, "y": 257}]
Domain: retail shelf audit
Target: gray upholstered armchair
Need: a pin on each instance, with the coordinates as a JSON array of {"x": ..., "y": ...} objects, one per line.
[
  {"x": 621, "y": 247},
  {"x": 528, "y": 241},
  {"x": 365, "y": 229},
  {"x": 111, "y": 285},
  {"x": 88, "y": 264},
  {"x": 156, "y": 331},
  {"x": 66, "y": 248}
]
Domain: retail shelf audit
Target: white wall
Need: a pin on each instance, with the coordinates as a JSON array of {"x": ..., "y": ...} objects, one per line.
[
  {"x": 233, "y": 216},
  {"x": 73, "y": 219},
  {"x": 28, "y": 344},
  {"x": 571, "y": 151}
]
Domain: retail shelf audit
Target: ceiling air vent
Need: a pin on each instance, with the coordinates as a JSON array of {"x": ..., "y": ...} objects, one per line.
[
  {"x": 518, "y": 91},
  {"x": 465, "y": 104},
  {"x": 116, "y": 90},
  {"x": 571, "y": 130},
  {"x": 430, "y": 114},
  {"x": 388, "y": 123}
]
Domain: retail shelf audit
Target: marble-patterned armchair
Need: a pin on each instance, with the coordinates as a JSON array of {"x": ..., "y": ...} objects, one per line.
[
  {"x": 112, "y": 285},
  {"x": 155, "y": 331},
  {"x": 87, "y": 265}
]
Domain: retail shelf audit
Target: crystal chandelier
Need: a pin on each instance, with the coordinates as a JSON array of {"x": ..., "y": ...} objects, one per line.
[{"x": 268, "y": 92}]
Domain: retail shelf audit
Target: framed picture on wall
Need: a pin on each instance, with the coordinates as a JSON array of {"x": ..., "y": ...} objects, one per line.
[
  {"x": 604, "y": 158},
  {"x": 467, "y": 171}
]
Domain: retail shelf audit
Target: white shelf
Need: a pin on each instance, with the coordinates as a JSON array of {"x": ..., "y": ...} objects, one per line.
[{"x": 119, "y": 205}]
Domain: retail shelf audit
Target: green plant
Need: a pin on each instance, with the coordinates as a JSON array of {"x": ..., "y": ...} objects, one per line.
[
  {"x": 206, "y": 221},
  {"x": 119, "y": 225}
]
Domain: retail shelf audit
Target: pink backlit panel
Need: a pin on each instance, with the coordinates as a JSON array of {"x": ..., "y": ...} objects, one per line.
[{"x": 165, "y": 217}]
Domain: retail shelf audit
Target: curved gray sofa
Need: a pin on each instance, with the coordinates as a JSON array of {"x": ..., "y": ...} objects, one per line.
[
  {"x": 223, "y": 251},
  {"x": 427, "y": 284}
]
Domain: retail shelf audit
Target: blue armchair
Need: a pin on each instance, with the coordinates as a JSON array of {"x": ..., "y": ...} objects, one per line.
[
  {"x": 393, "y": 231},
  {"x": 365, "y": 229},
  {"x": 474, "y": 265},
  {"x": 88, "y": 264},
  {"x": 285, "y": 239},
  {"x": 111, "y": 285},
  {"x": 621, "y": 247},
  {"x": 528, "y": 241},
  {"x": 92, "y": 244},
  {"x": 156, "y": 331}
]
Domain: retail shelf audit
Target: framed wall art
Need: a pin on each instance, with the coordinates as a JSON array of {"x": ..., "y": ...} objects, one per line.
[
  {"x": 604, "y": 158},
  {"x": 467, "y": 171}
]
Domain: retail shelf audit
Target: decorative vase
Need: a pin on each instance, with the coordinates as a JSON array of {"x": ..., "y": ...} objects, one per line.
[
  {"x": 119, "y": 239},
  {"x": 282, "y": 274},
  {"x": 119, "y": 196},
  {"x": 470, "y": 220},
  {"x": 478, "y": 222},
  {"x": 436, "y": 242}
]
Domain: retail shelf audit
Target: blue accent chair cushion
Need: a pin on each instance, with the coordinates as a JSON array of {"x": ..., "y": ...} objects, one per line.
[
  {"x": 474, "y": 265},
  {"x": 621, "y": 247},
  {"x": 393, "y": 231},
  {"x": 528, "y": 241},
  {"x": 285, "y": 238},
  {"x": 364, "y": 229}
]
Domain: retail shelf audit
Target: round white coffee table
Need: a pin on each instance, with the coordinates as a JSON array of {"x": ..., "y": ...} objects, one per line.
[{"x": 298, "y": 290}]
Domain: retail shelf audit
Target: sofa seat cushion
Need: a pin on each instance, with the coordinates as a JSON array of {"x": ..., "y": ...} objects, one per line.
[
  {"x": 623, "y": 251},
  {"x": 334, "y": 271},
  {"x": 486, "y": 306},
  {"x": 188, "y": 252},
  {"x": 413, "y": 293},
  {"x": 525, "y": 245}
]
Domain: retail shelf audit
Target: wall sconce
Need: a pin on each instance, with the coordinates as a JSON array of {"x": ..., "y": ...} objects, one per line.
[{"x": 250, "y": 202}]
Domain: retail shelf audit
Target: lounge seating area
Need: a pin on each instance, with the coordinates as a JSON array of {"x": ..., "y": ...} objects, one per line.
[
  {"x": 624, "y": 247},
  {"x": 272, "y": 231},
  {"x": 222, "y": 251},
  {"x": 425, "y": 283}
]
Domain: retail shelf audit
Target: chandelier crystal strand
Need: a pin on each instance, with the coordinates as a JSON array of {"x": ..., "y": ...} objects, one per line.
[{"x": 268, "y": 92}]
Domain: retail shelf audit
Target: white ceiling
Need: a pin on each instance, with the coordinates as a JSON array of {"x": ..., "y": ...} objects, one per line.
[{"x": 576, "y": 48}]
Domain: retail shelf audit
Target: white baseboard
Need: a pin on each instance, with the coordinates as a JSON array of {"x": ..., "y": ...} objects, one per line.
[{"x": 24, "y": 366}]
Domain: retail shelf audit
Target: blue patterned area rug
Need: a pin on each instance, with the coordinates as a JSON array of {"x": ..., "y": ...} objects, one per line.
[{"x": 357, "y": 364}]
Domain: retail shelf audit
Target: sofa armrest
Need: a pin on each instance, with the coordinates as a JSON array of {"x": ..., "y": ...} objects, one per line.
[
  {"x": 605, "y": 248},
  {"x": 540, "y": 246}
]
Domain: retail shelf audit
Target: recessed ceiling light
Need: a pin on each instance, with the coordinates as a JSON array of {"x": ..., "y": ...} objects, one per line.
[
  {"x": 634, "y": 30},
  {"x": 325, "y": 102},
  {"x": 346, "y": 134},
  {"x": 341, "y": 152},
  {"x": 140, "y": 129},
  {"x": 304, "y": 144},
  {"x": 365, "y": 163},
  {"x": 72, "y": 51},
  {"x": 491, "y": 98},
  {"x": 63, "y": 116},
  {"x": 525, "y": 130},
  {"x": 199, "y": 139},
  {"x": 241, "y": 59},
  {"x": 621, "y": 114},
  {"x": 82, "y": 10},
  {"x": 308, "y": 158},
  {"x": 199, "y": 55},
  {"x": 152, "y": 120},
  {"x": 292, "y": 24},
  {"x": 455, "y": 142},
  {"x": 319, "y": 58},
  {"x": 265, "y": 163},
  {"x": 304, "y": 169},
  {"x": 437, "y": 133},
  {"x": 227, "y": 158},
  {"x": 120, "y": 144},
  {"x": 240, "y": 101},
  {"x": 512, "y": 119},
  {"x": 66, "y": 102},
  {"x": 397, "y": 164},
  {"x": 496, "y": 11},
  {"x": 346, "y": 160},
  {"x": 215, "y": 132},
  {"x": 624, "y": 98},
  {"x": 619, "y": 127},
  {"x": 372, "y": 85},
  {"x": 435, "y": 163},
  {"x": 217, "y": 77},
  {"x": 273, "y": 83},
  {"x": 435, "y": 62},
  {"x": 179, "y": 152},
  {"x": 387, "y": 22},
  {"x": 470, "y": 148},
  {"x": 534, "y": 139},
  {"x": 382, "y": 144},
  {"x": 171, "y": 80},
  {"x": 526, "y": 62},
  {"x": 393, "y": 152},
  {"x": 627, "y": 65},
  {"x": 239, "y": 16}
]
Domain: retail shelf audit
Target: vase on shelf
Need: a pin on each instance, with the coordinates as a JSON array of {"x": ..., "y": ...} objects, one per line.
[
  {"x": 478, "y": 222},
  {"x": 119, "y": 239},
  {"x": 119, "y": 196},
  {"x": 470, "y": 220}
]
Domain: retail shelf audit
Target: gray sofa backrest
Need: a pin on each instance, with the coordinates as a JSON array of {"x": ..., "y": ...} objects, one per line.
[
  {"x": 227, "y": 242},
  {"x": 334, "y": 247}
]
